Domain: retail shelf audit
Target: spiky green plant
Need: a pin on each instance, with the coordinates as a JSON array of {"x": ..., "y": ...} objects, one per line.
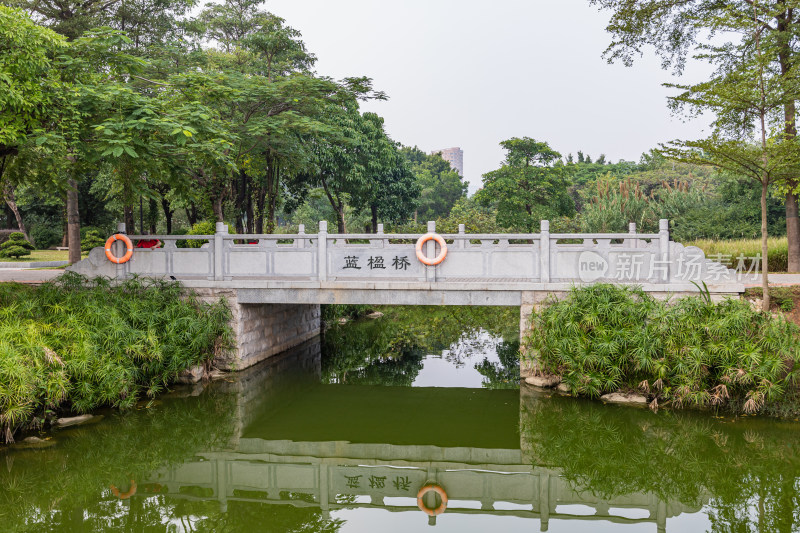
[
  {"x": 78, "y": 344},
  {"x": 691, "y": 352}
]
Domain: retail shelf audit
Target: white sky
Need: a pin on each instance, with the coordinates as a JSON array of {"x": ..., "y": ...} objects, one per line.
[{"x": 470, "y": 74}]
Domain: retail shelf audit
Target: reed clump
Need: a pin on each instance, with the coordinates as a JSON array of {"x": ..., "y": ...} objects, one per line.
[
  {"x": 688, "y": 352},
  {"x": 77, "y": 344}
]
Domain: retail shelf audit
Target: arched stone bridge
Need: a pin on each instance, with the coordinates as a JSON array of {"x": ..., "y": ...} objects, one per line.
[{"x": 276, "y": 282}]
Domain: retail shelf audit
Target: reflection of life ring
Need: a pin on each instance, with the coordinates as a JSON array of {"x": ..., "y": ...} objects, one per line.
[
  {"x": 439, "y": 258},
  {"x": 125, "y": 258},
  {"x": 438, "y": 490},
  {"x": 124, "y": 495}
]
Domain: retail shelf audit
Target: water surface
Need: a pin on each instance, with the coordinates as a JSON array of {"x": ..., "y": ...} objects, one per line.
[{"x": 341, "y": 434}]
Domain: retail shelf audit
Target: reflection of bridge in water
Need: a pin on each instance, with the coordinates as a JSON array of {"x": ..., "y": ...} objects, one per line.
[
  {"x": 283, "y": 454},
  {"x": 340, "y": 475}
]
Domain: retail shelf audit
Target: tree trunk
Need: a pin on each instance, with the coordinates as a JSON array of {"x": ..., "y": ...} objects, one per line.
[
  {"x": 127, "y": 218},
  {"x": 165, "y": 207},
  {"x": 11, "y": 200},
  {"x": 273, "y": 177},
  {"x": 73, "y": 222},
  {"x": 785, "y": 20},
  {"x": 152, "y": 216},
  {"x": 216, "y": 205},
  {"x": 261, "y": 197},
  {"x": 793, "y": 232},
  {"x": 764, "y": 247},
  {"x": 240, "y": 199},
  {"x": 340, "y": 219},
  {"x": 191, "y": 214},
  {"x": 374, "y": 209}
]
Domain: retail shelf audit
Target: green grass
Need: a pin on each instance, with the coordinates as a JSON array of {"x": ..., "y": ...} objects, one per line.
[
  {"x": 75, "y": 344},
  {"x": 39, "y": 255},
  {"x": 731, "y": 249}
]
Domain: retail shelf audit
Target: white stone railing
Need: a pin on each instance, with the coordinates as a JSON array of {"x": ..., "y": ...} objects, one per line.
[{"x": 544, "y": 257}]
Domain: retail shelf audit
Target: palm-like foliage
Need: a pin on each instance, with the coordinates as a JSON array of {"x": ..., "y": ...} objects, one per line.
[
  {"x": 79, "y": 344},
  {"x": 691, "y": 351}
]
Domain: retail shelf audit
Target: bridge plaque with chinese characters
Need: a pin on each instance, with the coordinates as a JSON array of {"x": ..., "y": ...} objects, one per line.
[{"x": 385, "y": 263}]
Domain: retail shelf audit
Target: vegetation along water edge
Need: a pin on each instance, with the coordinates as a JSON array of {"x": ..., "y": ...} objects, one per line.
[
  {"x": 75, "y": 344},
  {"x": 687, "y": 352}
]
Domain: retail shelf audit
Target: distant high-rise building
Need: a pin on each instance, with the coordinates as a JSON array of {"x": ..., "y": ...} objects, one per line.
[{"x": 454, "y": 156}]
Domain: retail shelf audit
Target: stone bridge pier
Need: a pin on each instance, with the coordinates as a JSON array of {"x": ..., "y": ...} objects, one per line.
[{"x": 263, "y": 330}]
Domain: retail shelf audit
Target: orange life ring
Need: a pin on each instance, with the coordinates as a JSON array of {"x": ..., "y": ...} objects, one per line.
[
  {"x": 439, "y": 258},
  {"x": 125, "y": 258},
  {"x": 124, "y": 495},
  {"x": 438, "y": 490}
]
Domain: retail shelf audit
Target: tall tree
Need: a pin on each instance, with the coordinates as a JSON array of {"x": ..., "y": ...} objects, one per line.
[
  {"x": 747, "y": 96},
  {"x": 27, "y": 52},
  {"x": 530, "y": 186},
  {"x": 677, "y": 27},
  {"x": 440, "y": 185},
  {"x": 392, "y": 189}
]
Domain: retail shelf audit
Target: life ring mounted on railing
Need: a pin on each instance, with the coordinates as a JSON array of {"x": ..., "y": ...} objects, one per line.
[
  {"x": 439, "y": 240},
  {"x": 128, "y": 254},
  {"x": 124, "y": 495},
  {"x": 438, "y": 490}
]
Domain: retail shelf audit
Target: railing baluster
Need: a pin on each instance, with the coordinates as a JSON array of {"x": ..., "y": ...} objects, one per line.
[
  {"x": 219, "y": 250},
  {"x": 430, "y": 251},
  {"x": 322, "y": 251},
  {"x": 663, "y": 245},
  {"x": 544, "y": 251}
]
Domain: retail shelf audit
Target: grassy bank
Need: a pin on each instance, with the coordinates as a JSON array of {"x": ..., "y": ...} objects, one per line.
[
  {"x": 74, "y": 345},
  {"x": 39, "y": 255},
  {"x": 689, "y": 352},
  {"x": 730, "y": 250}
]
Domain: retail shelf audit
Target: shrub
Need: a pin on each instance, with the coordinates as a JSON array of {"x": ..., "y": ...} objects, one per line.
[
  {"x": 81, "y": 344},
  {"x": 46, "y": 235},
  {"x": 205, "y": 227},
  {"x": 92, "y": 238},
  {"x": 16, "y": 246},
  {"x": 689, "y": 352}
]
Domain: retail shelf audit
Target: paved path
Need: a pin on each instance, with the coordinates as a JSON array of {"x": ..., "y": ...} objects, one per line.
[
  {"x": 27, "y": 275},
  {"x": 774, "y": 280}
]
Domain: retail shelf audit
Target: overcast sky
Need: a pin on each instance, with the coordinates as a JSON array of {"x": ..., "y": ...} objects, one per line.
[{"x": 470, "y": 74}]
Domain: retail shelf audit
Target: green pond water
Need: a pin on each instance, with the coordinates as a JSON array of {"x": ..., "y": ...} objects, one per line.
[{"x": 341, "y": 433}]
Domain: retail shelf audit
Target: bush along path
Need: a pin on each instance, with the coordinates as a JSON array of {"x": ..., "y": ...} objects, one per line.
[
  {"x": 76, "y": 344},
  {"x": 686, "y": 352}
]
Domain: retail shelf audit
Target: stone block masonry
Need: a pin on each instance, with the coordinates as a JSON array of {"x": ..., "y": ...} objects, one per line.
[{"x": 263, "y": 330}]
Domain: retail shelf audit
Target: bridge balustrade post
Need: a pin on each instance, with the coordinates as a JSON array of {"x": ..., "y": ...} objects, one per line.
[
  {"x": 322, "y": 251},
  {"x": 461, "y": 243},
  {"x": 430, "y": 252},
  {"x": 219, "y": 250},
  {"x": 663, "y": 247},
  {"x": 300, "y": 243},
  {"x": 382, "y": 243},
  {"x": 634, "y": 243},
  {"x": 544, "y": 251},
  {"x": 119, "y": 251},
  {"x": 544, "y": 501}
]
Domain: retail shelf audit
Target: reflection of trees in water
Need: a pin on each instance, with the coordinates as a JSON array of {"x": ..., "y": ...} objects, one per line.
[
  {"x": 469, "y": 345},
  {"x": 389, "y": 351},
  {"x": 505, "y": 374},
  {"x": 49, "y": 488},
  {"x": 747, "y": 470}
]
